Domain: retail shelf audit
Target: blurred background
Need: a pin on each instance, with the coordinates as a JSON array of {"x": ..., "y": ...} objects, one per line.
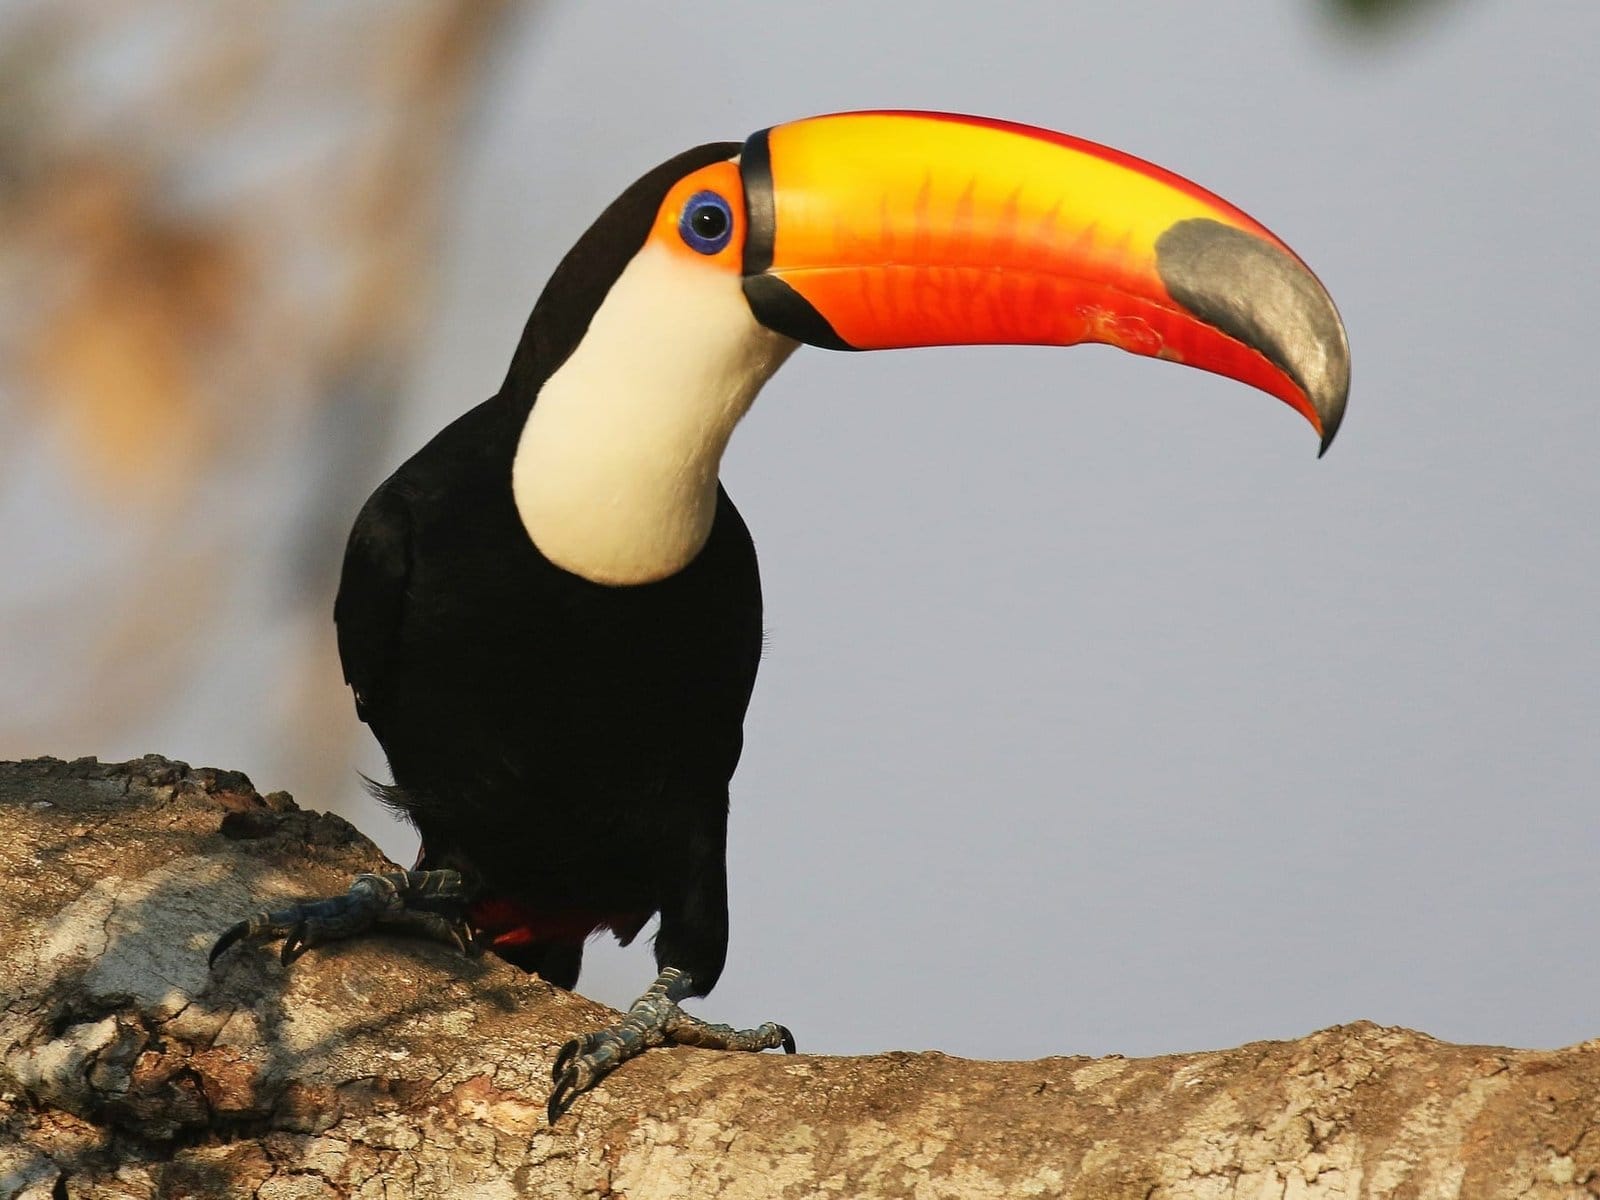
[{"x": 1098, "y": 715}]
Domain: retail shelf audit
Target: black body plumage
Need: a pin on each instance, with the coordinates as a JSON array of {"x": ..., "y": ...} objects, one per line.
[{"x": 565, "y": 745}]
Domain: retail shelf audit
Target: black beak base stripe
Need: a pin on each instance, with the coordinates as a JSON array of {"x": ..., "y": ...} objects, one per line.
[
  {"x": 773, "y": 302},
  {"x": 755, "y": 169},
  {"x": 783, "y": 310}
]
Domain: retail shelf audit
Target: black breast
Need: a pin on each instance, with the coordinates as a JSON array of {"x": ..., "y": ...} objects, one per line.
[{"x": 531, "y": 717}]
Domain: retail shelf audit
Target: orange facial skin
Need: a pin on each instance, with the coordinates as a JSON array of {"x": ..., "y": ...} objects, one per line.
[
  {"x": 723, "y": 179},
  {"x": 920, "y": 229}
]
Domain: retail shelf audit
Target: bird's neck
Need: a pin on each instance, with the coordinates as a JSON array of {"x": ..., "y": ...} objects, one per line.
[{"x": 615, "y": 475}]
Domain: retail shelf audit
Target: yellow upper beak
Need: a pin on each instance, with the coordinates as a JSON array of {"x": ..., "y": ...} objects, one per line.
[{"x": 883, "y": 229}]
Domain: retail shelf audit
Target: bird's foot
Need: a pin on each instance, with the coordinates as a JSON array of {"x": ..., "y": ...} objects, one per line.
[
  {"x": 429, "y": 904},
  {"x": 653, "y": 1020}
]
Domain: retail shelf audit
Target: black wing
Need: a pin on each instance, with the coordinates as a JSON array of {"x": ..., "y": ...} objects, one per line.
[{"x": 372, "y": 596}]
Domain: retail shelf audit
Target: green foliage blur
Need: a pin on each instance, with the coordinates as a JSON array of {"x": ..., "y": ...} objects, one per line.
[{"x": 1378, "y": 16}]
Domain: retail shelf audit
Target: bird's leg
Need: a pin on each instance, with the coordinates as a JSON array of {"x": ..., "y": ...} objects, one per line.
[
  {"x": 429, "y": 904},
  {"x": 653, "y": 1019}
]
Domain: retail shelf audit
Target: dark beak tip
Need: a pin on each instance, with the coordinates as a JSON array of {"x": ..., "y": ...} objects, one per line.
[
  {"x": 1330, "y": 415},
  {"x": 1331, "y": 388},
  {"x": 1267, "y": 299}
]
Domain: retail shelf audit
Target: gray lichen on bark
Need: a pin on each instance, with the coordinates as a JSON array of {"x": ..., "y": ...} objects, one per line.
[{"x": 388, "y": 1068}]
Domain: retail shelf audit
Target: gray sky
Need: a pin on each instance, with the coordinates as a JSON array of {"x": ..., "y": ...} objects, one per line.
[{"x": 1098, "y": 715}]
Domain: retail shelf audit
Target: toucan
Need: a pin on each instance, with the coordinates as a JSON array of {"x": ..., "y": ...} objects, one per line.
[{"x": 550, "y": 615}]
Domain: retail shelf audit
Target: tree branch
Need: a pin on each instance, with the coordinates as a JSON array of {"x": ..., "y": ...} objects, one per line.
[{"x": 385, "y": 1068}]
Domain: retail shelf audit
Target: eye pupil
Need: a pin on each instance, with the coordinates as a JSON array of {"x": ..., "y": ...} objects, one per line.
[{"x": 707, "y": 222}]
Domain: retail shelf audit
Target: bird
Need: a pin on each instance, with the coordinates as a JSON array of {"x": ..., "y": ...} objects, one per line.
[{"x": 551, "y": 615}]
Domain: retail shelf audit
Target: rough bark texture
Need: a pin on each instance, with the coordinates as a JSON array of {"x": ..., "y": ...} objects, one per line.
[{"x": 399, "y": 1069}]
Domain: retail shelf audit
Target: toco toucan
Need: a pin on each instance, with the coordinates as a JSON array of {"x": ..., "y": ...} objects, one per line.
[{"x": 551, "y": 614}]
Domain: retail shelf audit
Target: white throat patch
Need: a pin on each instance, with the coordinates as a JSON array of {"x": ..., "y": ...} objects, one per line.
[{"x": 615, "y": 475}]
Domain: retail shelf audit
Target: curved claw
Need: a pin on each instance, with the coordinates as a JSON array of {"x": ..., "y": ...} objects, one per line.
[
  {"x": 229, "y": 936},
  {"x": 294, "y": 944},
  {"x": 562, "y": 1096},
  {"x": 580, "y": 1064},
  {"x": 567, "y": 1053},
  {"x": 575, "y": 1048},
  {"x": 788, "y": 1039}
]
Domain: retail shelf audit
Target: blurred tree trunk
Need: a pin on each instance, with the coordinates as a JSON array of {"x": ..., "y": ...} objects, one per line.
[
  {"x": 381, "y": 1068},
  {"x": 218, "y": 230}
]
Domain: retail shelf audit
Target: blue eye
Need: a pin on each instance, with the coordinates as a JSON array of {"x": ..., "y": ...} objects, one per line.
[{"x": 707, "y": 222}]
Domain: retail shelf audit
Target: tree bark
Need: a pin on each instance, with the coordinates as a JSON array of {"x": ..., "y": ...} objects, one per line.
[{"x": 397, "y": 1068}]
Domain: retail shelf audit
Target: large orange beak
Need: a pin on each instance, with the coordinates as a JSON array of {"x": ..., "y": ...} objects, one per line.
[{"x": 873, "y": 230}]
